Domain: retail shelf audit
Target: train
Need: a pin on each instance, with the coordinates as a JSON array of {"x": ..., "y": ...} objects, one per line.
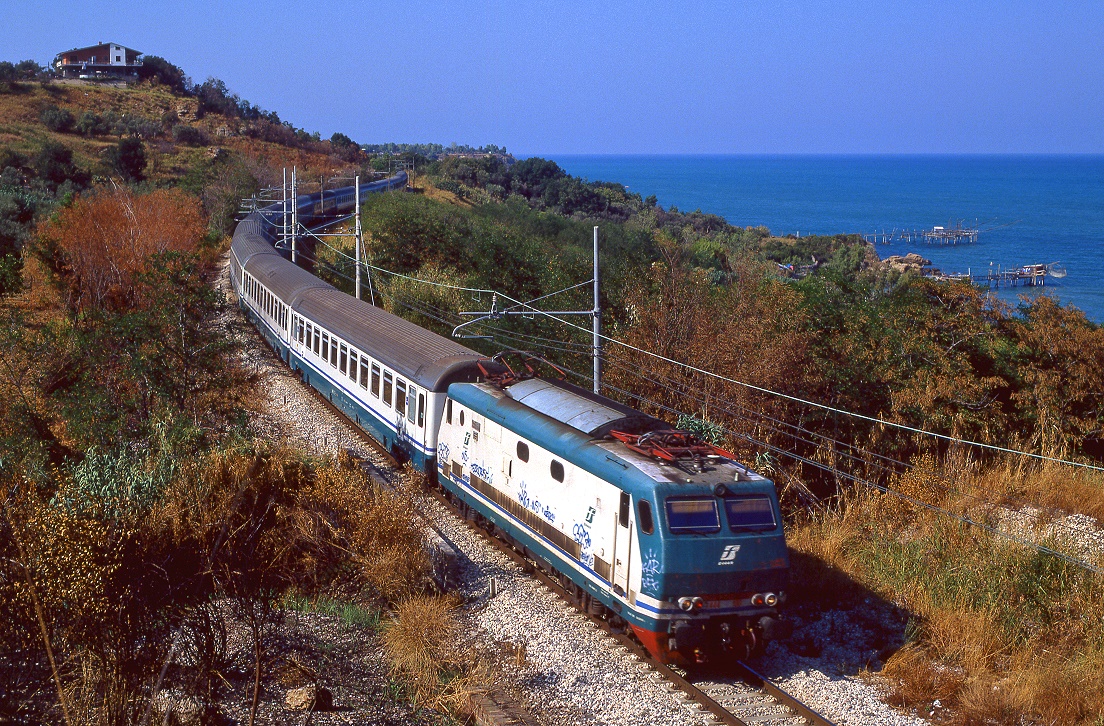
[{"x": 656, "y": 531}]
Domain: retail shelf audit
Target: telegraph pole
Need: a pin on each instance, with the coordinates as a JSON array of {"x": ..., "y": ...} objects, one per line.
[
  {"x": 283, "y": 237},
  {"x": 597, "y": 352},
  {"x": 294, "y": 210},
  {"x": 356, "y": 184}
]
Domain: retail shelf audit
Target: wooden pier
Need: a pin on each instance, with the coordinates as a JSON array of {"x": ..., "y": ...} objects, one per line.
[{"x": 1025, "y": 275}]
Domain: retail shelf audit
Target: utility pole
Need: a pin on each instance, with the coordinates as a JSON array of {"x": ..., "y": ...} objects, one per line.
[
  {"x": 283, "y": 237},
  {"x": 597, "y": 353},
  {"x": 294, "y": 210},
  {"x": 356, "y": 184}
]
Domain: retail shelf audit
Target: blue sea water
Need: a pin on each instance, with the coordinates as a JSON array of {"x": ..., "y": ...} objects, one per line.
[{"x": 1032, "y": 209}]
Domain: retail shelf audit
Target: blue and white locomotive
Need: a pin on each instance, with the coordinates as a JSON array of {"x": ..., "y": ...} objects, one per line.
[{"x": 644, "y": 525}]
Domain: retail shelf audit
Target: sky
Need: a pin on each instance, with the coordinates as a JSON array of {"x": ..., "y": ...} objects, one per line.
[{"x": 799, "y": 77}]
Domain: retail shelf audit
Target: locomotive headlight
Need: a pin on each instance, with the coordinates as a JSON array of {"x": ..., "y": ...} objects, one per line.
[
  {"x": 771, "y": 599},
  {"x": 686, "y": 603},
  {"x": 758, "y": 599},
  {"x": 698, "y": 603}
]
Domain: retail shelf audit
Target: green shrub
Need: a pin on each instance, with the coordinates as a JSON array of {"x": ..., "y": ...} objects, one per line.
[{"x": 57, "y": 119}]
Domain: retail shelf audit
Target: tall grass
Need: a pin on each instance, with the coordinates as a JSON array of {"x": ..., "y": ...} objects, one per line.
[{"x": 1004, "y": 633}]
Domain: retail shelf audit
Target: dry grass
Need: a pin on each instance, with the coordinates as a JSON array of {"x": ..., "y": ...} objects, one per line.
[
  {"x": 1004, "y": 634},
  {"x": 427, "y": 655}
]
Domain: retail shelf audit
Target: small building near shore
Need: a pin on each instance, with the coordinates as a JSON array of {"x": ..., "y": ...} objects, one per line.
[{"x": 103, "y": 60}]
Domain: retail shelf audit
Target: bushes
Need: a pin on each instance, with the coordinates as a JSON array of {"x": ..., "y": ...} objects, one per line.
[
  {"x": 189, "y": 135},
  {"x": 57, "y": 119},
  {"x": 128, "y": 159},
  {"x": 105, "y": 240}
]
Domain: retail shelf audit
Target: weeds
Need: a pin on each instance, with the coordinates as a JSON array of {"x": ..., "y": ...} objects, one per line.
[{"x": 1001, "y": 632}]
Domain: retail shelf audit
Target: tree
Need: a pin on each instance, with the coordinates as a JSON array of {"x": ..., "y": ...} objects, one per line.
[
  {"x": 128, "y": 159},
  {"x": 104, "y": 239},
  {"x": 57, "y": 119},
  {"x": 54, "y": 165},
  {"x": 158, "y": 70}
]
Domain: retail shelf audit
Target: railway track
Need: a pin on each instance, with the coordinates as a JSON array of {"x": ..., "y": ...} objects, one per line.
[{"x": 744, "y": 698}]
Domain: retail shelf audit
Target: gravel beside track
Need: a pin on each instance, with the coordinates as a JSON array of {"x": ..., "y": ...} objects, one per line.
[{"x": 566, "y": 671}]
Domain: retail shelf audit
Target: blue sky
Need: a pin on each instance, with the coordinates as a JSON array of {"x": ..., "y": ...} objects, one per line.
[{"x": 847, "y": 76}]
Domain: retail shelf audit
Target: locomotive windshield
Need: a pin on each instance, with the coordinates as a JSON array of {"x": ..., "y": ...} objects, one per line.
[
  {"x": 696, "y": 514},
  {"x": 744, "y": 513}
]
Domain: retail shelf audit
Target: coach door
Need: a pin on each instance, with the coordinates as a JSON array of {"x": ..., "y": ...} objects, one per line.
[{"x": 622, "y": 545}]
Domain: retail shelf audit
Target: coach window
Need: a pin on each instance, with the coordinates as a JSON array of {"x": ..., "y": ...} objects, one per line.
[
  {"x": 523, "y": 451},
  {"x": 343, "y": 365},
  {"x": 375, "y": 380},
  {"x": 644, "y": 509},
  {"x": 557, "y": 470},
  {"x": 364, "y": 373},
  {"x": 353, "y": 365},
  {"x": 410, "y": 412},
  {"x": 325, "y": 346},
  {"x": 421, "y": 410},
  {"x": 317, "y": 339},
  {"x": 333, "y": 352},
  {"x": 387, "y": 387},
  {"x": 623, "y": 513},
  {"x": 448, "y": 411},
  {"x": 400, "y": 397}
]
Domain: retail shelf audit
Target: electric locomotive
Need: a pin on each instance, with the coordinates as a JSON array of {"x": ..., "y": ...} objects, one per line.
[
  {"x": 650, "y": 527},
  {"x": 646, "y": 526}
]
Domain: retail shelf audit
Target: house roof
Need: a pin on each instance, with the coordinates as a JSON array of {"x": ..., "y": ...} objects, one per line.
[{"x": 100, "y": 45}]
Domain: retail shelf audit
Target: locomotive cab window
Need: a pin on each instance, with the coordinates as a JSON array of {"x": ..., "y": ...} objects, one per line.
[
  {"x": 693, "y": 514},
  {"x": 557, "y": 470},
  {"x": 749, "y": 513},
  {"x": 523, "y": 451},
  {"x": 644, "y": 516}
]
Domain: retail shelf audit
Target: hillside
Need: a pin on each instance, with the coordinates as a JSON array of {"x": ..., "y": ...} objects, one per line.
[{"x": 140, "y": 490}]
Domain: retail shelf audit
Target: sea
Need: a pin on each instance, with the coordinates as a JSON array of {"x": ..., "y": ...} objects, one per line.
[{"x": 1029, "y": 209}]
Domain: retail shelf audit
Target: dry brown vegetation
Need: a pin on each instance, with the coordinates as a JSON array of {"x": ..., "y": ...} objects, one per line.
[
  {"x": 1001, "y": 633},
  {"x": 106, "y": 240}
]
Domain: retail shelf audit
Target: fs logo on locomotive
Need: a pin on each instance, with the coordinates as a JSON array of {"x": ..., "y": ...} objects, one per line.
[{"x": 728, "y": 555}]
